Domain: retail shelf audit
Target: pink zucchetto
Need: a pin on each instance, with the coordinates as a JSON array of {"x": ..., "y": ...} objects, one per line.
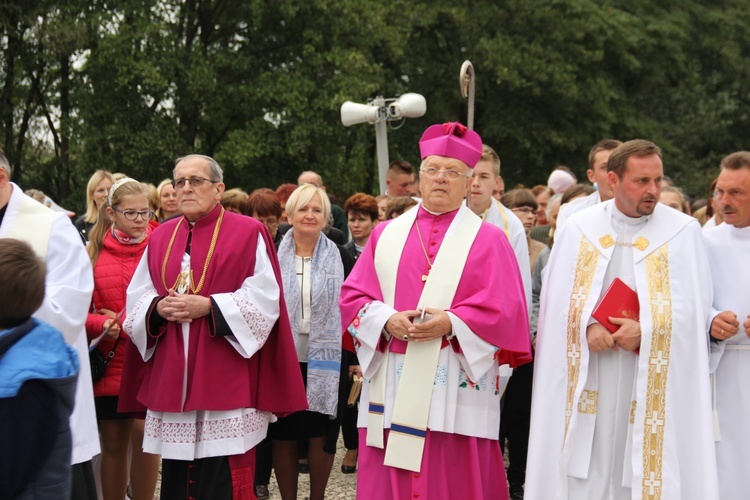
[{"x": 453, "y": 140}]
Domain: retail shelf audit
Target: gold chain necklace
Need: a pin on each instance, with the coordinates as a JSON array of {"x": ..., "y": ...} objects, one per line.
[
  {"x": 424, "y": 250},
  {"x": 181, "y": 278}
]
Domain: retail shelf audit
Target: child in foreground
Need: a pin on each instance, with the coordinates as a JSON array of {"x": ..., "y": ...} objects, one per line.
[{"x": 38, "y": 373}]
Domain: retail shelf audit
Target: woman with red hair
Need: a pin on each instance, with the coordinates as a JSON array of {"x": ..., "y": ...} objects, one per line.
[{"x": 362, "y": 215}]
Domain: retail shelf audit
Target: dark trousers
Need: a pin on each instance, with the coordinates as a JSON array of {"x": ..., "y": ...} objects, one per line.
[
  {"x": 263, "y": 462},
  {"x": 349, "y": 428},
  {"x": 515, "y": 420},
  {"x": 202, "y": 479},
  {"x": 348, "y": 414},
  {"x": 83, "y": 485}
]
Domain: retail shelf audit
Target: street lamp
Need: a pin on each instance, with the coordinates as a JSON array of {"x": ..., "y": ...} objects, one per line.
[{"x": 377, "y": 112}]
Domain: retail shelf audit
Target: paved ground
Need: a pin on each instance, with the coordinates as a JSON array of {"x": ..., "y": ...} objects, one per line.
[{"x": 339, "y": 485}]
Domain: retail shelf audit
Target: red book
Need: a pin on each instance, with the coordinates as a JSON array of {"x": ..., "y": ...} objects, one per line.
[{"x": 619, "y": 301}]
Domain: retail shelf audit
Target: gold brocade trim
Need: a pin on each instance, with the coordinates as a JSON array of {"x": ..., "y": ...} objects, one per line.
[
  {"x": 588, "y": 257},
  {"x": 506, "y": 226},
  {"x": 632, "y": 412},
  {"x": 588, "y": 402},
  {"x": 641, "y": 243},
  {"x": 657, "y": 272},
  {"x": 607, "y": 241}
]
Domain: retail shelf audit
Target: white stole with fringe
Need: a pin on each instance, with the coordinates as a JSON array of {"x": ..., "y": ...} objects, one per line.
[{"x": 414, "y": 393}]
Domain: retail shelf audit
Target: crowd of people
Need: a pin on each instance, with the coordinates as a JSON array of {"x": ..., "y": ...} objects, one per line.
[{"x": 589, "y": 331}]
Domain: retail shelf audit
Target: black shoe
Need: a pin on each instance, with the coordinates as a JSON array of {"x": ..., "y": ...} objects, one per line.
[
  {"x": 348, "y": 469},
  {"x": 516, "y": 492},
  {"x": 303, "y": 468},
  {"x": 261, "y": 492}
]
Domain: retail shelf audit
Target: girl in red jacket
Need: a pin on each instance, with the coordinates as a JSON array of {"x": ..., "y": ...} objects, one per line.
[{"x": 116, "y": 245}]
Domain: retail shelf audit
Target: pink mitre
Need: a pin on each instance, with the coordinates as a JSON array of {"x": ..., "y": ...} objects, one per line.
[{"x": 453, "y": 140}]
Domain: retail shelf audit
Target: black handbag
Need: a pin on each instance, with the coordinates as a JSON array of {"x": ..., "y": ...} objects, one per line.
[{"x": 99, "y": 361}]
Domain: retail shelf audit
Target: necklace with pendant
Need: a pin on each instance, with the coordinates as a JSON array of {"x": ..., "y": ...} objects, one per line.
[
  {"x": 424, "y": 250},
  {"x": 184, "y": 281}
]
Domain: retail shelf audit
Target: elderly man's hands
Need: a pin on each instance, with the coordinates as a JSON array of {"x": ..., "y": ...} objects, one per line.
[
  {"x": 403, "y": 325},
  {"x": 183, "y": 308},
  {"x": 399, "y": 323},
  {"x": 435, "y": 325}
]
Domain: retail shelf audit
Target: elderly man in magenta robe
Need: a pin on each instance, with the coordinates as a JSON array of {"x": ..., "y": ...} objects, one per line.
[
  {"x": 206, "y": 313},
  {"x": 435, "y": 304}
]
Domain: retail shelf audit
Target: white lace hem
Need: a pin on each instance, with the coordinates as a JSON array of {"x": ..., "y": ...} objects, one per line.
[{"x": 201, "y": 434}]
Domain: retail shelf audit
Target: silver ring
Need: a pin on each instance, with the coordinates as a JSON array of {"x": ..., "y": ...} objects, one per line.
[{"x": 406, "y": 337}]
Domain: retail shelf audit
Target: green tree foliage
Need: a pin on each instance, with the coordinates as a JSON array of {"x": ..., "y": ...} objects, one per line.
[{"x": 131, "y": 85}]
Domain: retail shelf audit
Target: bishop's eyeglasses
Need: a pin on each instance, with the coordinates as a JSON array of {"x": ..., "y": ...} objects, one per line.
[{"x": 451, "y": 174}]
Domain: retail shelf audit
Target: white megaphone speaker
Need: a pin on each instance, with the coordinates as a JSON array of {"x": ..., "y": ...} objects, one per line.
[
  {"x": 378, "y": 111},
  {"x": 353, "y": 113},
  {"x": 409, "y": 105}
]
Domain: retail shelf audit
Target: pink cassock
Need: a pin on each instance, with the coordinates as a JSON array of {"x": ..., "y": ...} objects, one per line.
[
  {"x": 490, "y": 299},
  {"x": 453, "y": 467}
]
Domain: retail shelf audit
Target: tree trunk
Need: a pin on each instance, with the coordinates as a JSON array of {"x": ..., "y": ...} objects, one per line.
[
  {"x": 63, "y": 185},
  {"x": 8, "y": 109}
]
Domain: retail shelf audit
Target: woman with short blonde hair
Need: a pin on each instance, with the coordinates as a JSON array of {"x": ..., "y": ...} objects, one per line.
[{"x": 312, "y": 271}]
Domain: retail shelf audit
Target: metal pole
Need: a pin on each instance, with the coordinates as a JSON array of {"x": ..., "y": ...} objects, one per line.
[
  {"x": 466, "y": 81},
  {"x": 381, "y": 140},
  {"x": 381, "y": 143}
]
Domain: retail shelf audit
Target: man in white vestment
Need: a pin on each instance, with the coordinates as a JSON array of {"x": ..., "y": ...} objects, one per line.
[
  {"x": 69, "y": 285},
  {"x": 485, "y": 178},
  {"x": 728, "y": 247},
  {"x": 597, "y": 175},
  {"x": 626, "y": 414}
]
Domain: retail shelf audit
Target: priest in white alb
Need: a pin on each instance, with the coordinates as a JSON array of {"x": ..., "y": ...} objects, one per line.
[
  {"x": 68, "y": 286},
  {"x": 486, "y": 177},
  {"x": 624, "y": 414},
  {"x": 728, "y": 247},
  {"x": 597, "y": 175},
  {"x": 435, "y": 304}
]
